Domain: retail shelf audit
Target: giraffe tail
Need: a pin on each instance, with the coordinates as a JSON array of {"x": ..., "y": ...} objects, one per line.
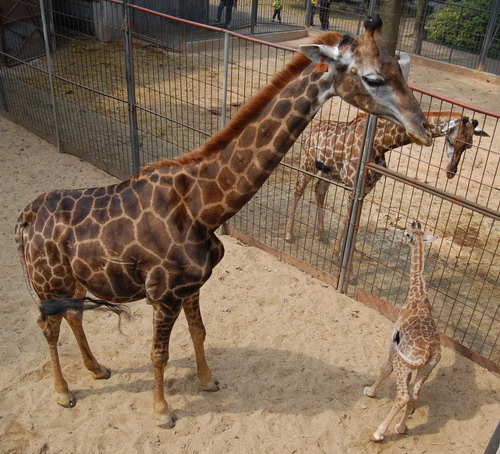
[
  {"x": 59, "y": 306},
  {"x": 21, "y": 225}
]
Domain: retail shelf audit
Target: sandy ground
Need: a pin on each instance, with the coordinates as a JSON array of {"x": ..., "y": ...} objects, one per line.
[{"x": 292, "y": 356}]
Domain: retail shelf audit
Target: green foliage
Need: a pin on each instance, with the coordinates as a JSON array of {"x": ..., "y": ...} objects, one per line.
[{"x": 462, "y": 26}]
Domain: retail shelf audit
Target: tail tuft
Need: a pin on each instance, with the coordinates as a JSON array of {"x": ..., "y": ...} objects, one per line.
[{"x": 59, "y": 306}]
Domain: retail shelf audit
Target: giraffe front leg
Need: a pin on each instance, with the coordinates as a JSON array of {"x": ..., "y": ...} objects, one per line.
[
  {"x": 197, "y": 330},
  {"x": 51, "y": 327},
  {"x": 164, "y": 317}
]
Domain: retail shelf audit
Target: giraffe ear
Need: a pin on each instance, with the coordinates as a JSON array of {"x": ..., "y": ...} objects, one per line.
[
  {"x": 319, "y": 52},
  {"x": 429, "y": 238},
  {"x": 479, "y": 132}
]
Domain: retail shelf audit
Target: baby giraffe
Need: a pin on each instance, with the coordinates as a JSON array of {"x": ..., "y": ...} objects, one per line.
[{"x": 415, "y": 344}]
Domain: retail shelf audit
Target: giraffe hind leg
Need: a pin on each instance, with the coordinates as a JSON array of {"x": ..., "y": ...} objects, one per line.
[
  {"x": 51, "y": 327},
  {"x": 402, "y": 376},
  {"x": 74, "y": 319},
  {"x": 421, "y": 377},
  {"x": 385, "y": 371}
]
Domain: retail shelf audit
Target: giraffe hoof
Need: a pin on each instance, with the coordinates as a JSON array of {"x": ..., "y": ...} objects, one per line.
[
  {"x": 400, "y": 428},
  {"x": 66, "y": 400},
  {"x": 165, "y": 421},
  {"x": 367, "y": 391},
  {"x": 102, "y": 374},
  {"x": 377, "y": 436},
  {"x": 290, "y": 239},
  {"x": 211, "y": 386}
]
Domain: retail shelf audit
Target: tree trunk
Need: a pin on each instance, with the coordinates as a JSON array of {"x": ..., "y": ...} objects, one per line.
[
  {"x": 418, "y": 31},
  {"x": 391, "y": 17}
]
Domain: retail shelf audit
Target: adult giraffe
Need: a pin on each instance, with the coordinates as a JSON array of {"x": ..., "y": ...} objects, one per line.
[
  {"x": 334, "y": 148},
  {"x": 152, "y": 236}
]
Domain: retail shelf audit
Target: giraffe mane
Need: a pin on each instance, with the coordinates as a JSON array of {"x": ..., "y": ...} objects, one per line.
[{"x": 247, "y": 113}]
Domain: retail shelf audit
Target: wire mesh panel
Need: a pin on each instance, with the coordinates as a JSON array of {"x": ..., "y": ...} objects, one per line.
[
  {"x": 131, "y": 86},
  {"x": 461, "y": 209}
]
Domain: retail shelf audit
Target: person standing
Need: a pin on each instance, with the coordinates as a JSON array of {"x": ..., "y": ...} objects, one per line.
[
  {"x": 324, "y": 13},
  {"x": 313, "y": 11},
  {"x": 278, "y": 6},
  {"x": 228, "y": 5}
]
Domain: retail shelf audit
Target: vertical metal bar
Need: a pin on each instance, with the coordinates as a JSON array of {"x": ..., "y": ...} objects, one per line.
[
  {"x": 132, "y": 106},
  {"x": 488, "y": 35},
  {"x": 357, "y": 203},
  {"x": 51, "y": 27},
  {"x": 3, "y": 96},
  {"x": 225, "y": 86},
  {"x": 253, "y": 17},
  {"x": 371, "y": 8},
  {"x": 50, "y": 74}
]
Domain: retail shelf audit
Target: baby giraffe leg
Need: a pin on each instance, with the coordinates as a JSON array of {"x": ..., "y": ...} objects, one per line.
[
  {"x": 197, "y": 330},
  {"x": 385, "y": 371},
  {"x": 421, "y": 377},
  {"x": 51, "y": 327},
  {"x": 74, "y": 319},
  {"x": 403, "y": 375}
]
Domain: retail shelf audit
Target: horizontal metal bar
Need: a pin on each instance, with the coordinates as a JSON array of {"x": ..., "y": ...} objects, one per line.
[
  {"x": 453, "y": 198},
  {"x": 319, "y": 177}
]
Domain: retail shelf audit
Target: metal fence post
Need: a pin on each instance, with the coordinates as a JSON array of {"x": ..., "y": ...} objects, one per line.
[
  {"x": 132, "y": 106},
  {"x": 488, "y": 37},
  {"x": 3, "y": 95},
  {"x": 357, "y": 202},
  {"x": 225, "y": 82},
  {"x": 253, "y": 17},
  {"x": 50, "y": 74}
]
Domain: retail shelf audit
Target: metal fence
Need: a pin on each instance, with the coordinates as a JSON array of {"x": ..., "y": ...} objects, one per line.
[
  {"x": 163, "y": 86},
  {"x": 452, "y": 32}
]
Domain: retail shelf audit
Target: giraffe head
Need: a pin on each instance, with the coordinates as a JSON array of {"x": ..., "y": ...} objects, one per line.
[
  {"x": 459, "y": 135},
  {"x": 415, "y": 232},
  {"x": 367, "y": 77}
]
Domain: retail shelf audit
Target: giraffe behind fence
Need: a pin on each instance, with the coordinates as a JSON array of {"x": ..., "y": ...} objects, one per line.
[
  {"x": 334, "y": 149},
  {"x": 153, "y": 235},
  {"x": 415, "y": 344}
]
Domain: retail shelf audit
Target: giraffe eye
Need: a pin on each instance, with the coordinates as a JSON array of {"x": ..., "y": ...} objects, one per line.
[{"x": 374, "y": 80}]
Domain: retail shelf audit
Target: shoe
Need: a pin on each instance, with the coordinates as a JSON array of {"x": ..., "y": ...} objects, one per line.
[{"x": 272, "y": 20}]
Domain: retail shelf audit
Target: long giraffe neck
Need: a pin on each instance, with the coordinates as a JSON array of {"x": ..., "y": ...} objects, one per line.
[
  {"x": 231, "y": 166},
  {"x": 417, "y": 282}
]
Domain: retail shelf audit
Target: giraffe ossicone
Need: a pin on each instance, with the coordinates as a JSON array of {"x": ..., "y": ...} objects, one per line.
[{"x": 153, "y": 235}]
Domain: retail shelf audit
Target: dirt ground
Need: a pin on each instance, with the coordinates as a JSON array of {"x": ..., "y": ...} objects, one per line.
[{"x": 292, "y": 356}]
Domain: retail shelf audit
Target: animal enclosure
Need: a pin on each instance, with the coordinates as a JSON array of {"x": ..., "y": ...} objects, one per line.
[{"x": 164, "y": 89}]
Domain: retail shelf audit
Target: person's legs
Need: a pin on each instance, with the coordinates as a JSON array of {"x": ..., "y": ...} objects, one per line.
[{"x": 220, "y": 8}]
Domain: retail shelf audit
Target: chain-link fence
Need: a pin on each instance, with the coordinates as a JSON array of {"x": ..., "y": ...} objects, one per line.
[{"x": 123, "y": 92}]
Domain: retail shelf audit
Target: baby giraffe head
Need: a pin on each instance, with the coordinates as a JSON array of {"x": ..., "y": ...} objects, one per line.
[{"x": 414, "y": 232}]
